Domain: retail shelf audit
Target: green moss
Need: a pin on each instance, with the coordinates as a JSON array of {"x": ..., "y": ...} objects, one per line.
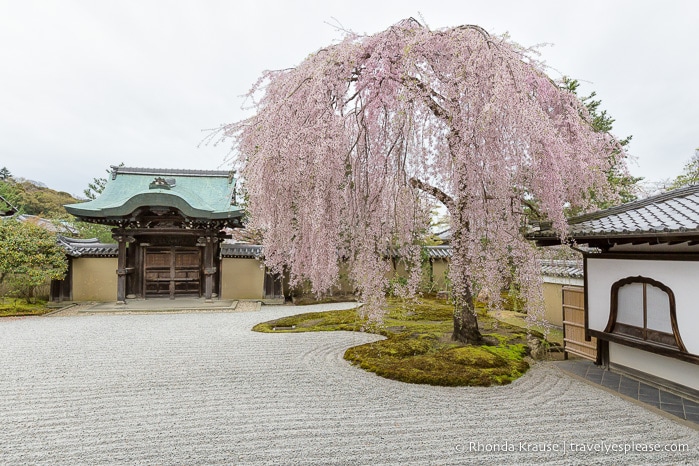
[
  {"x": 444, "y": 365},
  {"x": 315, "y": 322},
  {"x": 10, "y": 307},
  {"x": 417, "y": 348}
]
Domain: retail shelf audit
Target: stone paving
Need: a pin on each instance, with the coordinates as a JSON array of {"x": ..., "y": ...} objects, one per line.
[
  {"x": 650, "y": 396},
  {"x": 201, "y": 388}
]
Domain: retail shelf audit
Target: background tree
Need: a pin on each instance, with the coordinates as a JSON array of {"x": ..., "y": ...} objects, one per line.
[
  {"x": 95, "y": 188},
  {"x": 10, "y": 191},
  {"x": 345, "y": 148},
  {"x": 42, "y": 201},
  {"x": 624, "y": 185},
  {"x": 690, "y": 173},
  {"x": 29, "y": 257},
  {"x": 47, "y": 203},
  {"x": 103, "y": 233},
  {"x": 36, "y": 200},
  {"x": 5, "y": 173}
]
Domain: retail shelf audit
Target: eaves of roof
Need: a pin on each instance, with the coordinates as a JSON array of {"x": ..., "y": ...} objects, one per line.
[
  {"x": 242, "y": 250},
  {"x": 562, "y": 268},
  {"x": 671, "y": 217},
  {"x": 75, "y": 247},
  {"x": 438, "y": 252}
]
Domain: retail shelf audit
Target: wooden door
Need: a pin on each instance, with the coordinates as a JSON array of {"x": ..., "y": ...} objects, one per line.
[
  {"x": 574, "y": 324},
  {"x": 273, "y": 286},
  {"x": 172, "y": 271}
]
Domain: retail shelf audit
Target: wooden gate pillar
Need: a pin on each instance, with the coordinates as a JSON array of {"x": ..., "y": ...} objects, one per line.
[
  {"x": 209, "y": 268},
  {"x": 122, "y": 271}
]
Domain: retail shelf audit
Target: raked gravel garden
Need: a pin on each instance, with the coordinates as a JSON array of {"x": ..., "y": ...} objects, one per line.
[{"x": 203, "y": 388}]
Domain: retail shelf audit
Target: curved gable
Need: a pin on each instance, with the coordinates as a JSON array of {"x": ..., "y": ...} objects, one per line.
[{"x": 196, "y": 194}]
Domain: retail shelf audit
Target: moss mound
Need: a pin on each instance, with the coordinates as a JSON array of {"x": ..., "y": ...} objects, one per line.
[
  {"x": 418, "y": 346},
  {"x": 421, "y": 361}
]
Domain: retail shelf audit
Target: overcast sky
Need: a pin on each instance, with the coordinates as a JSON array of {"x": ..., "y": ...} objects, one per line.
[{"x": 87, "y": 84}]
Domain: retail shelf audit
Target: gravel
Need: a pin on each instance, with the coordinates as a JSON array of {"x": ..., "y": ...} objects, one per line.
[{"x": 201, "y": 388}]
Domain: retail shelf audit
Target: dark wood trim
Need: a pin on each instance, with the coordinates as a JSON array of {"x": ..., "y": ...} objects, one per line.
[
  {"x": 121, "y": 269},
  {"x": 273, "y": 285},
  {"x": 563, "y": 319},
  {"x": 62, "y": 290},
  {"x": 209, "y": 269},
  {"x": 172, "y": 271},
  {"x": 643, "y": 333},
  {"x": 661, "y": 256},
  {"x": 610, "y": 239},
  {"x": 585, "y": 288},
  {"x": 646, "y": 334},
  {"x": 602, "y": 353},
  {"x": 644, "y": 345}
]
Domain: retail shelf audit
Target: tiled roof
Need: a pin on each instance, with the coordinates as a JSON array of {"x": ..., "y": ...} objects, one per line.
[
  {"x": 438, "y": 252},
  {"x": 198, "y": 194},
  {"x": 562, "y": 268},
  {"x": 54, "y": 226},
  {"x": 241, "y": 250},
  {"x": 255, "y": 250},
  {"x": 87, "y": 247},
  {"x": 670, "y": 216},
  {"x": 92, "y": 247},
  {"x": 549, "y": 267},
  {"x": 167, "y": 171}
]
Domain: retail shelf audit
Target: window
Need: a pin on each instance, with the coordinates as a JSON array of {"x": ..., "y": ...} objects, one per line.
[{"x": 643, "y": 311}]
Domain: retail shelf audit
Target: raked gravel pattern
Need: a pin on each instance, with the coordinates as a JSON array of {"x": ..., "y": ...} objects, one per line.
[{"x": 202, "y": 388}]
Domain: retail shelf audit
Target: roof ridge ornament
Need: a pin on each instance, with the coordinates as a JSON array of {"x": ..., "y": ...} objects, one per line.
[{"x": 160, "y": 183}]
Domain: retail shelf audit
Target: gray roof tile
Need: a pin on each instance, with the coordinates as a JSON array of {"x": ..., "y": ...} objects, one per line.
[
  {"x": 241, "y": 250},
  {"x": 674, "y": 212},
  {"x": 562, "y": 268},
  {"x": 75, "y": 247}
]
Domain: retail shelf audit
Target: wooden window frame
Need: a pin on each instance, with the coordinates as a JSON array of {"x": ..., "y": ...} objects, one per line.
[{"x": 643, "y": 337}]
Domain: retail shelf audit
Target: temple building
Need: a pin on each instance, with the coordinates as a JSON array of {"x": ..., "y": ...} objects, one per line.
[
  {"x": 169, "y": 227},
  {"x": 172, "y": 239}
]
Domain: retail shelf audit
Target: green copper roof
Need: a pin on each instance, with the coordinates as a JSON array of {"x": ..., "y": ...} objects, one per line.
[{"x": 200, "y": 194}]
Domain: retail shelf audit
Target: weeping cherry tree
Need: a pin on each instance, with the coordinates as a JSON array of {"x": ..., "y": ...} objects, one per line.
[{"x": 345, "y": 151}]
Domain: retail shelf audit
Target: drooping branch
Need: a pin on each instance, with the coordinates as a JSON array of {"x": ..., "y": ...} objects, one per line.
[
  {"x": 432, "y": 104},
  {"x": 469, "y": 119},
  {"x": 435, "y": 192}
]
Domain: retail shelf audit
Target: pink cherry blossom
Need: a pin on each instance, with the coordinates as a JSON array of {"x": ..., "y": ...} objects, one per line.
[{"x": 346, "y": 151}]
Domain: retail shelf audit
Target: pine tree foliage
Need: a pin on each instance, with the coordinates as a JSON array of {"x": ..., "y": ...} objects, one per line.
[
  {"x": 690, "y": 173},
  {"x": 623, "y": 184}
]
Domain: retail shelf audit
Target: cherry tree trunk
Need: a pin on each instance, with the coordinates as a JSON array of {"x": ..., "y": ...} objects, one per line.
[{"x": 465, "y": 321}]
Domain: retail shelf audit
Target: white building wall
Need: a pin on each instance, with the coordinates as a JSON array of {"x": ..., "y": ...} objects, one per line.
[
  {"x": 682, "y": 277},
  {"x": 680, "y": 372}
]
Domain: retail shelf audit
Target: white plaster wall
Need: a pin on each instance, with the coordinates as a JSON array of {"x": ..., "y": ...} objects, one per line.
[
  {"x": 680, "y": 372},
  {"x": 681, "y": 276}
]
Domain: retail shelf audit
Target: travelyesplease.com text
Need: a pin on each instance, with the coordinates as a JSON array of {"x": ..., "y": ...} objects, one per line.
[{"x": 602, "y": 447}]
